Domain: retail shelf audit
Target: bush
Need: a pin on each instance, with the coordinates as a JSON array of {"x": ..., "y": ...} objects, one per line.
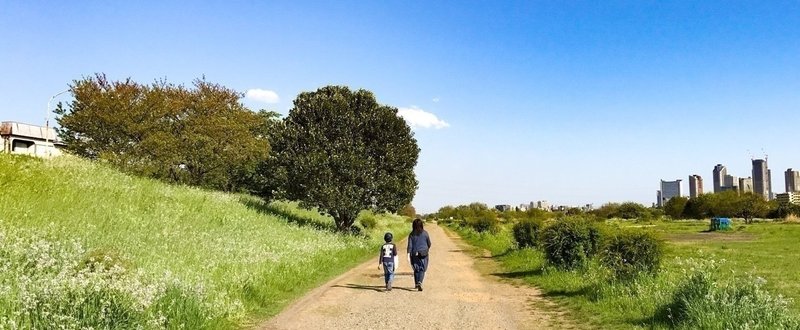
[
  {"x": 629, "y": 253},
  {"x": 527, "y": 232},
  {"x": 484, "y": 223},
  {"x": 367, "y": 220},
  {"x": 702, "y": 302},
  {"x": 570, "y": 242}
]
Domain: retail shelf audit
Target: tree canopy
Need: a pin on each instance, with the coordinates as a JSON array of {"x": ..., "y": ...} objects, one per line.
[
  {"x": 200, "y": 136},
  {"x": 340, "y": 151}
]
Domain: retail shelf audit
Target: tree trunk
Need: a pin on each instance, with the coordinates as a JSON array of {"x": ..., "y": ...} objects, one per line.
[{"x": 344, "y": 222}]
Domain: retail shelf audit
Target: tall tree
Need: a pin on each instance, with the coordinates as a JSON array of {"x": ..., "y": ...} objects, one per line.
[
  {"x": 408, "y": 211},
  {"x": 675, "y": 206},
  {"x": 342, "y": 152},
  {"x": 200, "y": 136}
]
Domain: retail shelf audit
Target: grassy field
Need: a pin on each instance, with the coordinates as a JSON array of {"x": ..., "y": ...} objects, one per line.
[
  {"x": 760, "y": 258},
  {"x": 82, "y": 245}
]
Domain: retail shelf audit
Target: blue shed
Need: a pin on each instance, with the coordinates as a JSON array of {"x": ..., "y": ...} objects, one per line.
[{"x": 720, "y": 224}]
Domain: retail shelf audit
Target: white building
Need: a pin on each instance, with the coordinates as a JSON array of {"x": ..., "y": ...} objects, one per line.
[
  {"x": 19, "y": 138},
  {"x": 668, "y": 190}
]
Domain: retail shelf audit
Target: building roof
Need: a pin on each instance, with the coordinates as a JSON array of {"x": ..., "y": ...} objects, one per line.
[{"x": 28, "y": 131}]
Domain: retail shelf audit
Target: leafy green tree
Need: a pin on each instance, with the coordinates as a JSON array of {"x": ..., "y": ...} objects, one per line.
[
  {"x": 675, "y": 206},
  {"x": 408, "y": 211},
  {"x": 340, "y": 151},
  {"x": 699, "y": 207},
  {"x": 631, "y": 210},
  {"x": 200, "y": 136},
  {"x": 752, "y": 206},
  {"x": 606, "y": 211}
]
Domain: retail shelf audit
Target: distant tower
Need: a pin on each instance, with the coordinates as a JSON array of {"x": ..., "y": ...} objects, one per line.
[
  {"x": 792, "y": 180},
  {"x": 761, "y": 178},
  {"x": 668, "y": 190},
  {"x": 745, "y": 185},
  {"x": 719, "y": 177},
  {"x": 695, "y": 185},
  {"x": 731, "y": 183}
]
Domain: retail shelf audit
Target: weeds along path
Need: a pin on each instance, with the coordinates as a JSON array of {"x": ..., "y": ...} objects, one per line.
[{"x": 456, "y": 296}]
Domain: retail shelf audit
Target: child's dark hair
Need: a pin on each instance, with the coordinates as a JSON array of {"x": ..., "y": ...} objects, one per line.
[
  {"x": 387, "y": 237},
  {"x": 417, "y": 226}
]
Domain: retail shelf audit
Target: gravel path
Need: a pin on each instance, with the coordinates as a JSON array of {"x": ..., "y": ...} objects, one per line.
[{"x": 456, "y": 296}]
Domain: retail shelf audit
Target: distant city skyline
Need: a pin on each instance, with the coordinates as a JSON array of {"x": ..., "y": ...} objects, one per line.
[{"x": 570, "y": 102}]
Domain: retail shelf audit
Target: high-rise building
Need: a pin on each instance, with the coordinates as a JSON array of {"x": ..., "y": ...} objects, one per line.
[
  {"x": 719, "y": 177},
  {"x": 731, "y": 183},
  {"x": 668, "y": 190},
  {"x": 792, "y": 180},
  {"x": 695, "y": 185},
  {"x": 762, "y": 179},
  {"x": 788, "y": 198},
  {"x": 745, "y": 185}
]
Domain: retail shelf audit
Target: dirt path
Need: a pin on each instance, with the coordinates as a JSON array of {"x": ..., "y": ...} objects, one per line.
[{"x": 456, "y": 296}]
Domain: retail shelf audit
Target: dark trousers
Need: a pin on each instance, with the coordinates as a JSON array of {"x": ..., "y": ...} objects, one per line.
[{"x": 420, "y": 265}]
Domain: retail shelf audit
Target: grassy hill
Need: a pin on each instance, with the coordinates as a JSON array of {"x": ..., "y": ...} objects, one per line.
[{"x": 84, "y": 245}]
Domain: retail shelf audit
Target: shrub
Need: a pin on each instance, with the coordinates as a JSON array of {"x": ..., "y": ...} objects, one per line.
[
  {"x": 701, "y": 302},
  {"x": 629, "y": 253},
  {"x": 527, "y": 232},
  {"x": 367, "y": 220},
  {"x": 570, "y": 242},
  {"x": 484, "y": 223}
]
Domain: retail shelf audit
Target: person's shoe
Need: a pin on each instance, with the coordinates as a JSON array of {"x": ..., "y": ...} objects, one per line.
[{"x": 419, "y": 287}]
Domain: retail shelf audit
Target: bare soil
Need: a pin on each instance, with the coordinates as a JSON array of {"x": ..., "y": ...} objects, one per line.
[{"x": 456, "y": 296}]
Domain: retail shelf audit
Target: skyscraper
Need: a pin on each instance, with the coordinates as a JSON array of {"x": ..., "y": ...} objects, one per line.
[
  {"x": 668, "y": 190},
  {"x": 745, "y": 185},
  {"x": 695, "y": 185},
  {"x": 761, "y": 178},
  {"x": 719, "y": 177},
  {"x": 731, "y": 183},
  {"x": 792, "y": 180}
]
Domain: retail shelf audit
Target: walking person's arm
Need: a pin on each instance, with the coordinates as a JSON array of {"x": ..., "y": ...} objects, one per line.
[{"x": 428, "y": 239}]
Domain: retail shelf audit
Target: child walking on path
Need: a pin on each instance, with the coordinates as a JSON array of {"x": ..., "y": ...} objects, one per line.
[{"x": 387, "y": 259}]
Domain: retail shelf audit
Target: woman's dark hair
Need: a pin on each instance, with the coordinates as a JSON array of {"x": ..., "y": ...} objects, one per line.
[{"x": 417, "y": 226}]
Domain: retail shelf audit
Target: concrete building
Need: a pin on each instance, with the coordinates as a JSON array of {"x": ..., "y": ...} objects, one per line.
[
  {"x": 788, "y": 198},
  {"x": 792, "y": 180},
  {"x": 542, "y": 205},
  {"x": 668, "y": 190},
  {"x": 503, "y": 207},
  {"x": 718, "y": 175},
  {"x": 745, "y": 185},
  {"x": 19, "y": 138},
  {"x": 731, "y": 183},
  {"x": 762, "y": 179},
  {"x": 695, "y": 185},
  {"x": 522, "y": 207}
]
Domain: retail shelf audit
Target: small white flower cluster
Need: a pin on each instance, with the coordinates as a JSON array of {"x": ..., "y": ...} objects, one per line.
[{"x": 46, "y": 283}]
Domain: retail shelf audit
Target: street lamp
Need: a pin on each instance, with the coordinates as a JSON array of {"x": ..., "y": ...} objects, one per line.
[{"x": 47, "y": 116}]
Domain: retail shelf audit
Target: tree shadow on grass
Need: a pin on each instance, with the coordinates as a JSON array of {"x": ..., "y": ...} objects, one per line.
[
  {"x": 263, "y": 207},
  {"x": 583, "y": 291},
  {"x": 520, "y": 274}
]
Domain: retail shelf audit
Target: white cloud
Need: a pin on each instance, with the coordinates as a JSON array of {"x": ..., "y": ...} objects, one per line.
[
  {"x": 262, "y": 95},
  {"x": 418, "y": 118},
  {"x": 435, "y": 100}
]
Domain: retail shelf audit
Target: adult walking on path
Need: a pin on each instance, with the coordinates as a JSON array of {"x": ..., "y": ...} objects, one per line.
[
  {"x": 457, "y": 297},
  {"x": 419, "y": 245}
]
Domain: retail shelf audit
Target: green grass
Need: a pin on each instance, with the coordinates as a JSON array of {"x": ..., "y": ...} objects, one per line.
[
  {"x": 84, "y": 245},
  {"x": 735, "y": 263}
]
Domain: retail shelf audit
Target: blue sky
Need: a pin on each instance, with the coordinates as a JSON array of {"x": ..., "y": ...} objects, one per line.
[{"x": 572, "y": 102}]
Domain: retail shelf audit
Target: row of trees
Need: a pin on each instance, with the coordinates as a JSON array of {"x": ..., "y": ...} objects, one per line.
[
  {"x": 338, "y": 150},
  {"x": 727, "y": 204}
]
